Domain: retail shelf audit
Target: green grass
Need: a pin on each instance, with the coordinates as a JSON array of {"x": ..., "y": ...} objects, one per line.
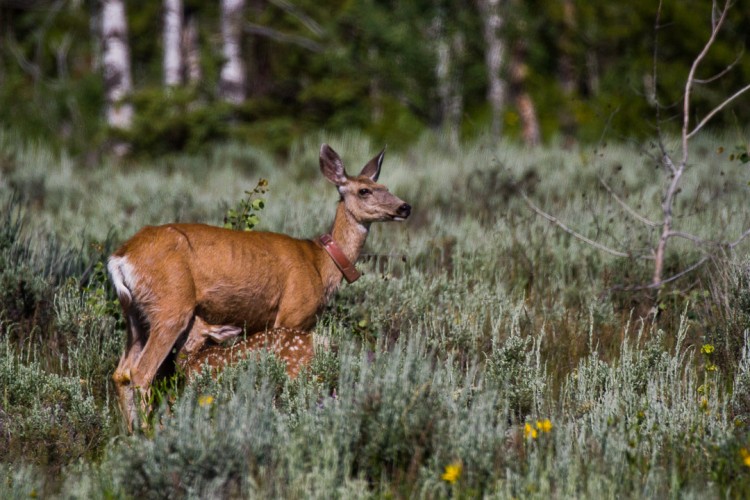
[{"x": 474, "y": 318}]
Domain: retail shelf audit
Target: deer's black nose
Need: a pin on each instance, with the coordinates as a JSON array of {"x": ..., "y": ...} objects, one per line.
[{"x": 404, "y": 210}]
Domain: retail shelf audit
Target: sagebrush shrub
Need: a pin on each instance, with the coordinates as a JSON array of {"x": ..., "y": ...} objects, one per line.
[
  {"x": 23, "y": 291},
  {"x": 20, "y": 481},
  {"x": 93, "y": 342},
  {"x": 741, "y": 386},
  {"x": 513, "y": 369},
  {"x": 469, "y": 324},
  {"x": 49, "y": 418},
  {"x": 216, "y": 438},
  {"x": 728, "y": 314},
  {"x": 30, "y": 269}
]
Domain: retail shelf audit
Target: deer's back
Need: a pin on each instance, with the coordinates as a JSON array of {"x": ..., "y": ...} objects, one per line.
[{"x": 232, "y": 276}]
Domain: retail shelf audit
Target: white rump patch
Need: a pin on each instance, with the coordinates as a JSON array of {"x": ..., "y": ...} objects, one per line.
[{"x": 123, "y": 277}]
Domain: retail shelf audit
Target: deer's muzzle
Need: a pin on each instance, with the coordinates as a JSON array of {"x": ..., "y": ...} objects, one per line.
[{"x": 403, "y": 212}]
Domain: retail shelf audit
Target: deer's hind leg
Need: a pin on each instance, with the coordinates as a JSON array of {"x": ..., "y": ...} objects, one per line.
[
  {"x": 125, "y": 279},
  {"x": 136, "y": 337},
  {"x": 166, "y": 328},
  {"x": 199, "y": 333},
  {"x": 158, "y": 311},
  {"x": 142, "y": 358}
]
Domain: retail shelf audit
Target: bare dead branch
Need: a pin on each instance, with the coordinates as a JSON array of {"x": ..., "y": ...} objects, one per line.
[
  {"x": 685, "y": 271},
  {"x": 61, "y": 56},
  {"x": 677, "y": 170},
  {"x": 687, "y": 236},
  {"x": 714, "y": 13},
  {"x": 605, "y": 129},
  {"x": 717, "y": 109},
  {"x": 716, "y": 26},
  {"x": 25, "y": 64},
  {"x": 666, "y": 159},
  {"x": 301, "y": 41},
  {"x": 674, "y": 170},
  {"x": 722, "y": 72},
  {"x": 651, "y": 286},
  {"x": 309, "y": 23},
  {"x": 682, "y": 273},
  {"x": 627, "y": 207},
  {"x": 739, "y": 240},
  {"x": 573, "y": 233}
]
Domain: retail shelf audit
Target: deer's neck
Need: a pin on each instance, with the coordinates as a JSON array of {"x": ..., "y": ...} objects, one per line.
[{"x": 350, "y": 236}]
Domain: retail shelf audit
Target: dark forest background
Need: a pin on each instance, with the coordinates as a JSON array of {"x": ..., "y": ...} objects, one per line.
[{"x": 577, "y": 70}]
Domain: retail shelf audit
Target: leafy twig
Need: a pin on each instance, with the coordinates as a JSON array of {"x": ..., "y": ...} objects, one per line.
[{"x": 244, "y": 216}]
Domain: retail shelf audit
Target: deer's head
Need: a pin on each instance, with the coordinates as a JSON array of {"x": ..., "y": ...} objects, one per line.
[{"x": 365, "y": 199}]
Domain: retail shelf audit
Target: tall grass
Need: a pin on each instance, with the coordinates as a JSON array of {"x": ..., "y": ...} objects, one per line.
[{"x": 480, "y": 339}]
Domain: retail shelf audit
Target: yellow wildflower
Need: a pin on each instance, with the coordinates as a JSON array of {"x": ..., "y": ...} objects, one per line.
[
  {"x": 452, "y": 472},
  {"x": 544, "y": 425},
  {"x": 528, "y": 430},
  {"x": 205, "y": 400},
  {"x": 710, "y": 367},
  {"x": 745, "y": 456},
  {"x": 707, "y": 349}
]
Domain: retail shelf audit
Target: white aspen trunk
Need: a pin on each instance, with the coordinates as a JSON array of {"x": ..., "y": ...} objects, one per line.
[
  {"x": 173, "y": 16},
  {"x": 495, "y": 48},
  {"x": 455, "y": 107},
  {"x": 118, "y": 82},
  {"x": 191, "y": 50},
  {"x": 442, "y": 68},
  {"x": 232, "y": 79},
  {"x": 449, "y": 51}
]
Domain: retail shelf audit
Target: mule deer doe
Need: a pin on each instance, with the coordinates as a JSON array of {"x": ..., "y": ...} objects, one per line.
[{"x": 181, "y": 284}]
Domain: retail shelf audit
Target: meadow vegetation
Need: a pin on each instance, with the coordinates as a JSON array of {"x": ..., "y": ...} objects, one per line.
[{"x": 484, "y": 351}]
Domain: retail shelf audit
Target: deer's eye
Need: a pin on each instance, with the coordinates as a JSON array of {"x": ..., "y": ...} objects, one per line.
[{"x": 364, "y": 192}]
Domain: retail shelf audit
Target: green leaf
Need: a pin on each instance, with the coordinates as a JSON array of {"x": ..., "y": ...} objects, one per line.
[{"x": 258, "y": 204}]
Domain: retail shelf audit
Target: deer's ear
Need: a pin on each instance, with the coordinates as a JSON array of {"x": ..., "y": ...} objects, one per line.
[
  {"x": 372, "y": 169},
  {"x": 332, "y": 166}
]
